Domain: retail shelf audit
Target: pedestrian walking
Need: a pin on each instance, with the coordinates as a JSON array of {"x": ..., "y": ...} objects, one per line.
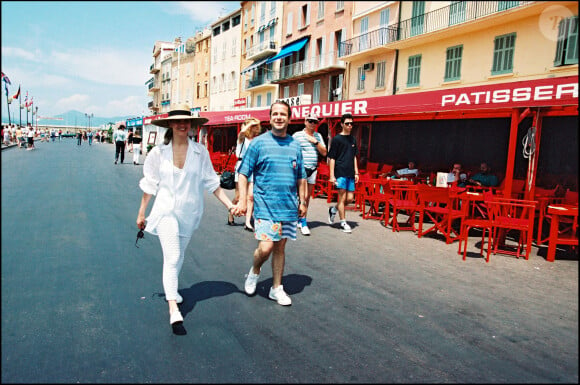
[
  {"x": 177, "y": 172},
  {"x": 120, "y": 139},
  {"x": 312, "y": 145},
  {"x": 30, "y": 135},
  {"x": 90, "y": 137},
  {"x": 275, "y": 161},
  {"x": 130, "y": 140},
  {"x": 20, "y": 137},
  {"x": 79, "y": 138},
  {"x": 343, "y": 170},
  {"x": 136, "y": 148},
  {"x": 249, "y": 130}
]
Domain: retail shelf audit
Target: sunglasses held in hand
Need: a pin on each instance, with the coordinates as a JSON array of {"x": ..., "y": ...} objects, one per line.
[{"x": 139, "y": 235}]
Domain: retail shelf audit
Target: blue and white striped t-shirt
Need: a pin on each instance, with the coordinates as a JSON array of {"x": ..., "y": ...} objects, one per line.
[
  {"x": 309, "y": 151},
  {"x": 276, "y": 164}
]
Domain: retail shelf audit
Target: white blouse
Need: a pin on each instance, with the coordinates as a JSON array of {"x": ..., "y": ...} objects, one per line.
[{"x": 179, "y": 194}]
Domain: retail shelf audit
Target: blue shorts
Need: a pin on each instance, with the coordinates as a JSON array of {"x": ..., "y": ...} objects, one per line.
[
  {"x": 267, "y": 230},
  {"x": 345, "y": 183}
]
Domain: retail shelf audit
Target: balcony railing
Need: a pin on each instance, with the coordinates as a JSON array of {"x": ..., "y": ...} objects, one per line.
[
  {"x": 313, "y": 64},
  {"x": 258, "y": 81},
  {"x": 369, "y": 40},
  {"x": 439, "y": 19},
  {"x": 153, "y": 69},
  {"x": 261, "y": 49}
]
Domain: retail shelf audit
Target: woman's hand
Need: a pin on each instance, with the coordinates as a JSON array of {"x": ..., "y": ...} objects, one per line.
[{"x": 141, "y": 221}]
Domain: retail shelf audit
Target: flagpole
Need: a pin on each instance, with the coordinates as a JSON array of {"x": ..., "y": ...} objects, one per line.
[
  {"x": 7, "y": 103},
  {"x": 20, "y": 106}
]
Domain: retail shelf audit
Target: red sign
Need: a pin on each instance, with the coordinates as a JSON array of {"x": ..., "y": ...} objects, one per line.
[
  {"x": 241, "y": 102},
  {"x": 559, "y": 91},
  {"x": 148, "y": 119}
]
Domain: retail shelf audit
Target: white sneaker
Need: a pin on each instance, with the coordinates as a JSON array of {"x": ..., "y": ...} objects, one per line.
[
  {"x": 305, "y": 230},
  {"x": 251, "y": 282},
  {"x": 331, "y": 214},
  {"x": 345, "y": 227},
  {"x": 279, "y": 295}
]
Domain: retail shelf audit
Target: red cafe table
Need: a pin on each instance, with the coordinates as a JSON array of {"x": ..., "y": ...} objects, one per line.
[{"x": 567, "y": 238}]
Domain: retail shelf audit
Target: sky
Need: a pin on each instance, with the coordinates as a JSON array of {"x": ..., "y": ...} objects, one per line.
[{"x": 93, "y": 57}]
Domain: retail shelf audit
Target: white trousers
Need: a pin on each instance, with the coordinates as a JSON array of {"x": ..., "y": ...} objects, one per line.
[
  {"x": 136, "y": 152},
  {"x": 173, "y": 247}
]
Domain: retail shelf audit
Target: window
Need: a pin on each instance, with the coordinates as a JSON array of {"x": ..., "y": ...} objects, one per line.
[
  {"x": 417, "y": 17},
  {"x": 216, "y": 31},
  {"x": 287, "y": 92},
  {"x": 360, "y": 83},
  {"x": 224, "y": 51},
  {"x": 503, "y": 54},
  {"x": 289, "y": 24},
  {"x": 320, "y": 13},
  {"x": 453, "y": 63},
  {"x": 503, "y": 5},
  {"x": 263, "y": 12},
  {"x": 236, "y": 20},
  {"x": 305, "y": 17},
  {"x": 205, "y": 85},
  {"x": 364, "y": 37},
  {"x": 567, "y": 47},
  {"x": 259, "y": 101},
  {"x": 234, "y": 85},
  {"x": 414, "y": 71},
  {"x": 316, "y": 92},
  {"x": 226, "y": 26},
  {"x": 268, "y": 98},
  {"x": 222, "y": 82},
  {"x": 253, "y": 13},
  {"x": 300, "y": 89},
  {"x": 234, "y": 47},
  {"x": 272, "y": 9},
  {"x": 198, "y": 90},
  {"x": 380, "y": 74},
  {"x": 456, "y": 12},
  {"x": 383, "y": 31},
  {"x": 272, "y": 35},
  {"x": 246, "y": 20},
  {"x": 215, "y": 54},
  {"x": 339, "y": 6}
]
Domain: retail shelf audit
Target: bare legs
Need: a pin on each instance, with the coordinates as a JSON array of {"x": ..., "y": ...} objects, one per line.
[{"x": 262, "y": 253}]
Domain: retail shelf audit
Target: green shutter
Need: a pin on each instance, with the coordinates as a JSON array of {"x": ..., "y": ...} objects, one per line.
[{"x": 572, "y": 44}]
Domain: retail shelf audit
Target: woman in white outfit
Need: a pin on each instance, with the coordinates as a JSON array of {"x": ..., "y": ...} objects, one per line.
[
  {"x": 177, "y": 172},
  {"x": 136, "y": 148}
]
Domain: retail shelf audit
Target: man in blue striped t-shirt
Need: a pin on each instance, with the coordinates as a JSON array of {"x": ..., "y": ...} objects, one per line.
[{"x": 275, "y": 160}]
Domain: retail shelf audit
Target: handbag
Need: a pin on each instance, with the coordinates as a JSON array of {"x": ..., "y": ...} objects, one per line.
[{"x": 227, "y": 179}]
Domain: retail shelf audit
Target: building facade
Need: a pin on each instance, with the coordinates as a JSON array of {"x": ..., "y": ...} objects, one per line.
[{"x": 225, "y": 62}]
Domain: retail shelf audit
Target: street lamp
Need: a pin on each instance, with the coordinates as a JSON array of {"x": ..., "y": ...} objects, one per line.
[
  {"x": 36, "y": 118},
  {"x": 89, "y": 116}
]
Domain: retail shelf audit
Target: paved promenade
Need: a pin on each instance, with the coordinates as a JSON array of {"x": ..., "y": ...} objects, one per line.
[{"x": 82, "y": 304}]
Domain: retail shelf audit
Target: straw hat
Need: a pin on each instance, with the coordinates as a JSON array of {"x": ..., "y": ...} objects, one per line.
[{"x": 180, "y": 112}]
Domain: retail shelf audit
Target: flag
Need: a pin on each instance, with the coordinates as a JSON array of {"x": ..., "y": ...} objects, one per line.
[
  {"x": 29, "y": 104},
  {"x": 6, "y": 79},
  {"x": 17, "y": 94}
]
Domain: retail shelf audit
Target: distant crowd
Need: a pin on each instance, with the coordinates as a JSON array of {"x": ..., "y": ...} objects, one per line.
[{"x": 24, "y": 136}]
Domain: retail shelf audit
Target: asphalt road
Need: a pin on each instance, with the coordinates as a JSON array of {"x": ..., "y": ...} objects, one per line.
[{"x": 82, "y": 304}]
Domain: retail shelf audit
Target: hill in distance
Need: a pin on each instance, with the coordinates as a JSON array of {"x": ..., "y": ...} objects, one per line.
[{"x": 69, "y": 118}]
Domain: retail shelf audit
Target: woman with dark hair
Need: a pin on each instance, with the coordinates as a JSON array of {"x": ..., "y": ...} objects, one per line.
[{"x": 177, "y": 172}]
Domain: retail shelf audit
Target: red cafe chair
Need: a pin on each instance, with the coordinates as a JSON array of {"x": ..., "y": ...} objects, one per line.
[
  {"x": 512, "y": 215},
  {"x": 404, "y": 199},
  {"x": 439, "y": 204},
  {"x": 472, "y": 219}
]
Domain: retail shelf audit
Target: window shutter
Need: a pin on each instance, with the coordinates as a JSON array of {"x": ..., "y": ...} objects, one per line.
[{"x": 572, "y": 45}]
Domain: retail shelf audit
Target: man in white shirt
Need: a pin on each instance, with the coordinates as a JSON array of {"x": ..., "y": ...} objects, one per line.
[
  {"x": 411, "y": 169},
  {"x": 120, "y": 139}
]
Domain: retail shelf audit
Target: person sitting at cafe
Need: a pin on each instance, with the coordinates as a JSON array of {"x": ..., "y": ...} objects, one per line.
[
  {"x": 484, "y": 177},
  {"x": 456, "y": 176},
  {"x": 410, "y": 170}
]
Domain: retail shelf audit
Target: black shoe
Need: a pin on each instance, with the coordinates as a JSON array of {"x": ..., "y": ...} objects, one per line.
[
  {"x": 248, "y": 228},
  {"x": 231, "y": 223},
  {"x": 115, "y": 162}
]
